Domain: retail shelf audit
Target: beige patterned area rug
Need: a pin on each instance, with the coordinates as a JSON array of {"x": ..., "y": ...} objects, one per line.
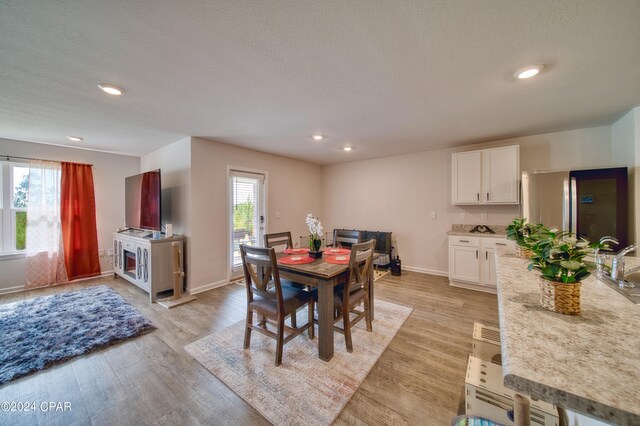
[{"x": 304, "y": 390}]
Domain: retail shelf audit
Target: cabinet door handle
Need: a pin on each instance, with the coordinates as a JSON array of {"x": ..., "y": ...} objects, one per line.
[
  {"x": 464, "y": 241},
  {"x": 501, "y": 244},
  {"x": 486, "y": 255},
  {"x": 476, "y": 254},
  {"x": 478, "y": 194},
  {"x": 487, "y": 196}
]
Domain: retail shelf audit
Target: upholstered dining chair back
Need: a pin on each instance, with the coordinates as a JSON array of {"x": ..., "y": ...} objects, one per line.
[{"x": 279, "y": 241}]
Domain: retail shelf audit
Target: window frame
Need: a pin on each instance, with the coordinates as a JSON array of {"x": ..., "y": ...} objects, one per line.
[{"x": 8, "y": 213}]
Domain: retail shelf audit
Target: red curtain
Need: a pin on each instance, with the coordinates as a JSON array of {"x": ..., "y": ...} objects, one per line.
[{"x": 78, "y": 211}]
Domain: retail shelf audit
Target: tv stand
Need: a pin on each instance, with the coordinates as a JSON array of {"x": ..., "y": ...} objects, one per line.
[{"x": 144, "y": 261}]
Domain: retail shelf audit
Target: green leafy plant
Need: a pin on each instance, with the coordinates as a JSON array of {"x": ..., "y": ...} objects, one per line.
[
  {"x": 559, "y": 256},
  {"x": 523, "y": 233},
  {"x": 243, "y": 216}
]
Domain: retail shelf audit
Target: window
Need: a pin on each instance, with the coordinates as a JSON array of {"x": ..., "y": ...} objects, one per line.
[
  {"x": 246, "y": 214},
  {"x": 14, "y": 183}
]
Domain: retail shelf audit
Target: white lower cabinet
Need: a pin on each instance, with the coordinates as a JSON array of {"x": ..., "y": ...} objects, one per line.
[
  {"x": 464, "y": 259},
  {"x": 472, "y": 261}
]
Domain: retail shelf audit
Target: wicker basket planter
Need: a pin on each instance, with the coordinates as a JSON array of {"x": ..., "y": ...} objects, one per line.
[
  {"x": 523, "y": 252},
  {"x": 560, "y": 297}
]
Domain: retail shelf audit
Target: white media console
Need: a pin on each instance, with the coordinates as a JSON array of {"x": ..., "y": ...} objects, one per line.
[{"x": 145, "y": 261}]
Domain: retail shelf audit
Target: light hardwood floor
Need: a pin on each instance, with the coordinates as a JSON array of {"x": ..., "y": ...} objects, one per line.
[{"x": 419, "y": 379}]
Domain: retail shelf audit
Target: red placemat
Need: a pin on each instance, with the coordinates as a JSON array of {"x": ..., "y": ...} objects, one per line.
[
  {"x": 338, "y": 260},
  {"x": 289, "y": 260},
  {"x": 298, "y": 251},
  {"x": 337, "y": 251}
]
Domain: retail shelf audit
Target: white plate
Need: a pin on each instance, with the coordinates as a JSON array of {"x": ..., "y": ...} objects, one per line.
[{"x": 296, "y": 258}]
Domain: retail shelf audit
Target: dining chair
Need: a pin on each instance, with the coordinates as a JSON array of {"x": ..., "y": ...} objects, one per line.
[
  {"x": 355, "y": 290},
  {"x": 278, "y": 240},
  {"x": 346, "y": 237},
  {"x": 270, "y": 300},
  {"x": 348, "y": 296}
]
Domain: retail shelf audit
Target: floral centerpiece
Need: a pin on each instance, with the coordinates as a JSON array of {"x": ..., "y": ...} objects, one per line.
[
  {"x": 559, "y": 257},
  {"x": 315, "y": 234},
  {"x": 524, "y": 234}
]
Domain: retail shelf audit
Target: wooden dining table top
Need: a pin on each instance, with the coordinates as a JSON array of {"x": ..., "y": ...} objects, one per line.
[{"x": 318, "y": 268}]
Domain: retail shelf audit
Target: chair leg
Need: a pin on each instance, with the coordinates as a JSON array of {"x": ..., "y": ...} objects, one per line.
[
  {"x": 311, "y": 317},
  {"x": 367, "y": 315},
  {"x": 247, "y": 330},
  {"x": 347, "y": 330},
  {"x": 294, "y": 319},
  {"x": 279, "y": 340}
]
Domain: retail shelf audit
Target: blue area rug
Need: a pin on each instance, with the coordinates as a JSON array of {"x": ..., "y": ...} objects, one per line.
[{"x": 37, "y": 333}]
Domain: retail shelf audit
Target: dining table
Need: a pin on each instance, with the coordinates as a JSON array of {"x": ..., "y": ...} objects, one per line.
[{"x": 324, "y": 276}]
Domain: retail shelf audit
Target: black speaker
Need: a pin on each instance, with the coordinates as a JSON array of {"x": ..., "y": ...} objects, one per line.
[{"x": 396, "y": 266}]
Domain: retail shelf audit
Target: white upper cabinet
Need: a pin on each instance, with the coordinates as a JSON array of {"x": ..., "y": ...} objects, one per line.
[
  {"x": 488, "y": 176},
  {"x": 466, "y": 171},
  {"x": 501, "y": 175}
]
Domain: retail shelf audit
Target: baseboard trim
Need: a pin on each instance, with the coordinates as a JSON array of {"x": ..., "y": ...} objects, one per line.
[
  {"x": 426, "y": 271},
  {"x": 15, "y": 289},
  {"x": 210, "y": 286},
  {"x": 22, "y": 287},
  {"x": 476, "y": 287}
]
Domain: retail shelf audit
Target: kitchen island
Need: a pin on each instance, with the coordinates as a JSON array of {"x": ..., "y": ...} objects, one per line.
[{"x": 589, "y": 363}]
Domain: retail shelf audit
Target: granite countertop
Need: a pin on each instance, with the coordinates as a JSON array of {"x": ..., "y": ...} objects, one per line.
[
  {"x": 588, "y": 363},
  {"x": 464, "y": 231}
]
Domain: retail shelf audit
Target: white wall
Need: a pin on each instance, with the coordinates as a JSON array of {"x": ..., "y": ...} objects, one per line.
[
  {"x": 294, "y": 188},
  {"x": 623, "y": 137},
  {"x": 109, "y": 171},
  {"x": 174, "y": 162},
  {"x": 398, "y": 193}
]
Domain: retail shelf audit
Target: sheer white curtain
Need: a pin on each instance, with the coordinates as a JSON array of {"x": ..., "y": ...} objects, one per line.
[{"x": 45, "y": 254}]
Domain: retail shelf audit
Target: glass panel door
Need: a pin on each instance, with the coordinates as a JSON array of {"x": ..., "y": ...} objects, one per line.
[{"x": 246, "y": 216}]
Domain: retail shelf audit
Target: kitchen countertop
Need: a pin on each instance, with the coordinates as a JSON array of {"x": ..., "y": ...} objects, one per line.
[
  {"x": 588, "y": 363},
  {"x": 464, "y": 231}
]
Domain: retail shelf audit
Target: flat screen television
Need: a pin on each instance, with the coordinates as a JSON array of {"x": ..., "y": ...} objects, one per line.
[{"x": 142, "y": 201}]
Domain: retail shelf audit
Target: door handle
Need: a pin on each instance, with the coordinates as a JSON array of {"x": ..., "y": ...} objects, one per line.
[
  {"x": 486, "y": 255},
  {"x": 464, "y": 241},
  {"x": 487, "y": 196},
  {"x": 476, "y": 254},
  {"x": 501, "y": 244},
  {"x": 478, "y": 195}
]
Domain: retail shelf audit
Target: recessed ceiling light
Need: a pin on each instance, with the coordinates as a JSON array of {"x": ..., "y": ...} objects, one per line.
[
  {"x": 528, "y": 72},
  {"x": 75, "y": 138},
  {"x": 317, "y": 137},
  {"x": 347, "y": 148},
  {"x": 111, "y": 89}
]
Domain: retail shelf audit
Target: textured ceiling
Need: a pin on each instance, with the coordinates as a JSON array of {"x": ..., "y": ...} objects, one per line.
[{"x": 385, "y": 77}]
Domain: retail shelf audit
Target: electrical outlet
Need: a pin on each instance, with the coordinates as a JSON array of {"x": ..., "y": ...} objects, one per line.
[
  {"x": 277, "y": 215},
  {"x": 110, "y": 251},
  {"x": 462, "y": 215},
  {"x": 101, "y": 252},
  {"x": 483, "y": 216},
  {"x": 433, "y": 215}
]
